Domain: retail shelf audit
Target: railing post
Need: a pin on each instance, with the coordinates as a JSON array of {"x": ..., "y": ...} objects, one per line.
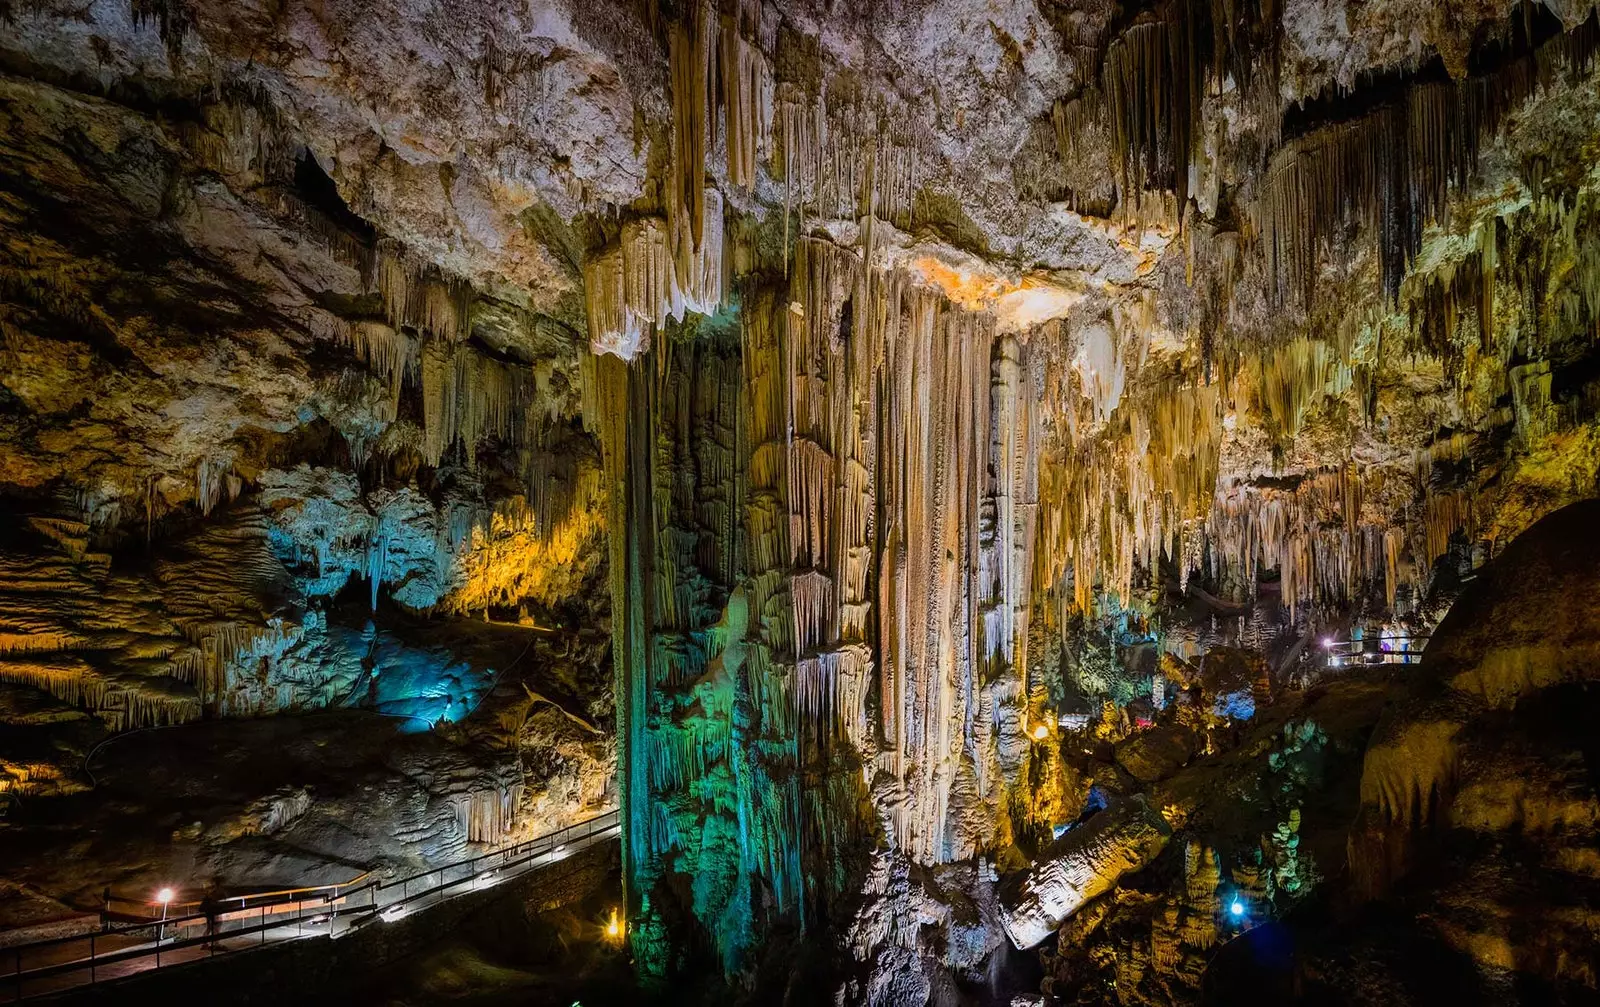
[
  {"x": 91, "y": 960},
  {"x": 263, "y": 924}
]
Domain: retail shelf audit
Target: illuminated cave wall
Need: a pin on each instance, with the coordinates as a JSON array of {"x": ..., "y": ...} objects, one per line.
[
  {"x": 864, "y": 482},
  {"x": 827, "y": 495}
]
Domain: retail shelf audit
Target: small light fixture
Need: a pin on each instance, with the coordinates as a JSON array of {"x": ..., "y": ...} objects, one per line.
[
  {"x": 1327, "y": 643},
  {"x": 1237, "y": 909},
  {"x": 614, "y": 927},
  {"x": 164, "y": 896},
  {"x": 1040, "y": 732}
]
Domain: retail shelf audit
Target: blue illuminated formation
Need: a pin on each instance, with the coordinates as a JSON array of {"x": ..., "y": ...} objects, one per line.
[
  {"x": 1240, "y": 705},
  {"x": 1237, "y": 908}
]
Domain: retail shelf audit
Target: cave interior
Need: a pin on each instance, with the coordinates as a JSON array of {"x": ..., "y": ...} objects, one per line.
[{"x": 1006, "y": 502}]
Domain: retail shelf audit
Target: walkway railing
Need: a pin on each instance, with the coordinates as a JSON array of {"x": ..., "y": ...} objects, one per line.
[
  {"x": 1374, "y": 650},
  {"x": 329, "y": 911},
  {"x": 142, "y": 911}
]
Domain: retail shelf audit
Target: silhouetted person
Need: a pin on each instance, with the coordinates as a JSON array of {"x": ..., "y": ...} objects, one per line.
[{"x": 211, "y": 906}]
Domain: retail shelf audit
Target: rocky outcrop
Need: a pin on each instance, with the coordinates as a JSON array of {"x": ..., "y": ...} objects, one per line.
[
  {"x": 1477, "y": 796},
  {"x": 1083, "y": 865}
]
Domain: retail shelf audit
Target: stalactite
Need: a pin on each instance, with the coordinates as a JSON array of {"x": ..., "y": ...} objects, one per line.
[
  {"x": 211, "y": 479},
  {"x": 422, "y": 297},
  {"x": 1292, "y": 379},
  {"x": 467, "y": 396},
  {"x": 651, "y": 276},
  {"x": 689, "y": 53},
  {"x": 488, "y": 816},
  {"x": 388, "y": 351},
  {"x": 1130, "y": 490},
  {"x": 842, "y": 155},
  {"x": 1152, "y": 75},
  {"x": 1152, "y": 81},
  {"x": 1392, "y": 171},
  {"x": 242, "y": 134},
  {"x": 377, "y": 560},
  {"x": 746, "y": 88}
]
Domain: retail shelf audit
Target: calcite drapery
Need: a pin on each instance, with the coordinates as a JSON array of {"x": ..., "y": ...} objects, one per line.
[{"x": 822, "y": 585}]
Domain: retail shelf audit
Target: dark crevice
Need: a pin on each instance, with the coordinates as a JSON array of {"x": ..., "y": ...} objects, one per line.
[
  {"x": 313, "y": 185},
  {"x": 1497, "y": 45}
]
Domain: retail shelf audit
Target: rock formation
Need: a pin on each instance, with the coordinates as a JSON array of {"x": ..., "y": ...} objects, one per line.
[{"x": 979, "y": 433}]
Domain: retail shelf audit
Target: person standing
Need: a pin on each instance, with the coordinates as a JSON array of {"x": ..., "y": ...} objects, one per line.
[{"x": 211, "y": 906}]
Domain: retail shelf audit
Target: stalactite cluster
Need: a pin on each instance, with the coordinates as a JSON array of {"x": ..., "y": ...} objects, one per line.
[
  {"x": 654, "y": 273},
  {"x": 836, "y": 532},
  {"x": 1391, "y": 172},
  {"x": 1146, "y": 91},
  {"x": 826, "y": 553},
  {"x": 911, "y": 481}
]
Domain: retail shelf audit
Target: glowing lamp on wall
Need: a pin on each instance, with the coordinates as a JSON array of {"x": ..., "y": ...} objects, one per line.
[
  {"x": 1040, "y": 732},
  {"x": 1236, "y": 909},
  {"x": 614, "y": 927}
]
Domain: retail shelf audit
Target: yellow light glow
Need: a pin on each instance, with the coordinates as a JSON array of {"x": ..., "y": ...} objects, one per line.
[
  {"x": 614, "y": 928},
  {"x": 1040, "y": 732},
  {"x": 962, "y": 287},
  {"x": 1018, "y": 303}
]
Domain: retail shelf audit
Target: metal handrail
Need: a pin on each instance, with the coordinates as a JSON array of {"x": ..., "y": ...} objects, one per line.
[
  {"x": 1339, "y": 653},
  {"x": 168, "y": 945},
  {"x": 369, "y": 900},
  {"x": 244, "y": 901},
  {"x": 511, "y": 856},
  {"x": 589, "y": 826}
]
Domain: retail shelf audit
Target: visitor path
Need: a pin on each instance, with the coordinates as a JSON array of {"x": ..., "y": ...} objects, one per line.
[{"x": 252, "y": 921}]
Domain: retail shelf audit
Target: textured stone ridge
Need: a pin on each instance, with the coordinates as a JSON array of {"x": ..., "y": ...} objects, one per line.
[{"x": 1082, "y": 865}]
